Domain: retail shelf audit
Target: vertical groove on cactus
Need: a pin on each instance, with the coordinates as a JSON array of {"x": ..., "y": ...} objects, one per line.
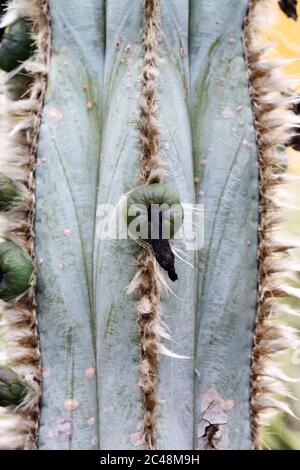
[
  {"x": 272, "y": 99},
  {"x": 148, "y": 279},
  {"x": 18, "y": 322}
]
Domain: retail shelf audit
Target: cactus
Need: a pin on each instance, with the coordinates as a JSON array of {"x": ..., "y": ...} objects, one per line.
[
  {"x": 16, "y": 271},
  {"x": 16, "y": 45},
  {"x": 150, "y": 93},
  {"x": 12, "y": 389}
]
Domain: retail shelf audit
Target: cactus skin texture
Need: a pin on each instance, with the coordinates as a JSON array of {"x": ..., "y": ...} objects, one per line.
[
  {"x": 88, "y": 325},
  {"x": 12, "y": 390},
  {"x": 225, "y": 158}
]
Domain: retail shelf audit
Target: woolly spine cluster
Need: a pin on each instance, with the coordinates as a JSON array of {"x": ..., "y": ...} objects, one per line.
[
  {"x": 148, "y": 281},
  {"x": 20, "y": 122},
  {"x": 272, "y": 98}
]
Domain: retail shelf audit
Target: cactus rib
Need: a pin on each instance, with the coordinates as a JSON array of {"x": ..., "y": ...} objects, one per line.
[
  {"x": 147, "y": 280},
  {"x": 272, "y": 100}
]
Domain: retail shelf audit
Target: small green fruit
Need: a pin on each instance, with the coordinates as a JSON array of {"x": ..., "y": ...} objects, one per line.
[
  {"x": 9, "y": 194},
  {"x": 16, "y": 269},
  {"x": 12, "y": 388},
  {"x": 158, "y": 203},
  {"x": 16, "y": 45}
]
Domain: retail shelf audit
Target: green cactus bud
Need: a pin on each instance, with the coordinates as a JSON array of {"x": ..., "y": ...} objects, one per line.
[
  {"x": 8, "y": 193},
  {"x": 145, "y": 203},
  {"x": 12, "y": 388},
  {"x": 16, "y": 45},
  {"x": 16, "y": 271}
]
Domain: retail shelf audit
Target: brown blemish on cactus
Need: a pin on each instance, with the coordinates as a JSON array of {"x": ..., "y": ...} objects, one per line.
[{"x": 212, "y": 431}]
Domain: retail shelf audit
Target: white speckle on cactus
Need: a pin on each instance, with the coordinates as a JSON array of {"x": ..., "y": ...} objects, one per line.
[
  {"x": 91, "y": 421},
  {"x": 54, "y": 114},
  {"x": 67, "y": 232},
  {"x": 128, "y": 48},
  {"x": 45, "y": 373},
  {"x": 228, "y": 405},
  {"x": 210, "y": 150},
  {"x": 90, "y": 105},
  {"x": 203, "y": 163},
  {"x": 41, "y": 260},
  {"x": 197, "y": 180},
  {"x": 71, "y": 404},
  {"x": 94, "y": 440},
  {"x": 64, "y": 50},
  {"x": 239, "y": 109},
  {"x": 232, "y": 41},
  {"x": 167, "y": 146},
  {"x": 227, "y": 113},
  {"x": 222, "y": 81},
  {"x": 89, "y": 373},
  {"x": 247, "y": 144},
  {"x": 61, "y": 265},
  {"x": 248, "y": 242}
]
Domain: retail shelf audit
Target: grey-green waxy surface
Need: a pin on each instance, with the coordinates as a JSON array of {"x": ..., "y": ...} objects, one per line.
[
  {"x": 226, "y": 159},
  {"x": 69, "y": 154},
  {"x": 118, "y": 355},
  {"x": 90, "y": 156}
]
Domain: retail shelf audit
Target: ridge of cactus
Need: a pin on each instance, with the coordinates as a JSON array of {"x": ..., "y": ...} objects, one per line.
[
  {"x": 20, "y": 121},
  {"x": 148, "y": 282},
  {"x": 273, "y": 99}
]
